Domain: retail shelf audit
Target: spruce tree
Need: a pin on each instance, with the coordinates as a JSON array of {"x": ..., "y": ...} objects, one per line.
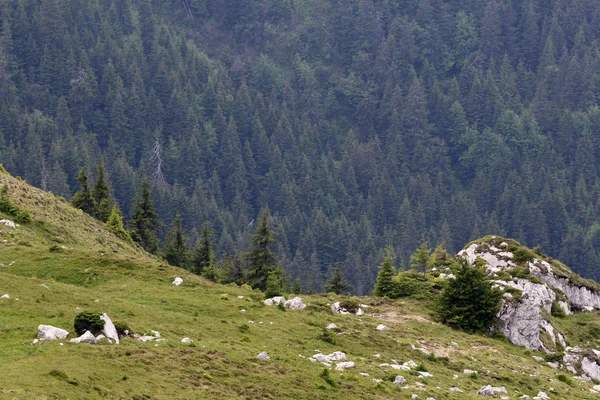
[
  {"x": 384, "y": 287},
  {"x": 115, "y": 223},
  {"x": 101, "y": 195},
  {"x": 274, "y": 283},
  {"x": 204, "y": 256},
  {"x": 144, "y": 220},
  {"x": 419, "y": 260},
  {"x": 84, "y": 199},
  {"x": 336, "y": 283},
  {"x": 261, "y": 259},
  {"x": 176, "y": 251}
]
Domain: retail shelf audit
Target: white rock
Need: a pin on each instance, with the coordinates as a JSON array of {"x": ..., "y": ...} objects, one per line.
[
  {"x": 87, "y": 337},
  {"x": 109, "y": 329},
  {"x": 177, "y": 281},
  {"x": 541, "y": 396},
  {"x": 425, "y": 374},
  {"x": 360, "y": 312},
  {"x": 274, "y": 301},
  {"x": 36, "y": 341},
  {"x": 48, "y": 332},
  {"x": 377, "y": 380},
  {"x": 382, "y": 327},
  {"x": 455, "y": 389},
  {"x": 414, "y": 396},
  {"x": 597, "y": 387},
  {"x": 187, "y": 340},
  {"x": 363, "y": 374},
  {"x": 399, "y": 380},
  {"x": 337, "y": 308},
  {"x": 241, "y": 297},
  {"x": 295, "y": 304},
  {"x": 332, "y": 326},
  {"x": 8, "y": 223},
  {"x": 553, "y": 365},
  {"x": 491, "y": 391},
  {"x": 344, "y": 365},
  {"x": 469, "y": 371},
  {"x": 6, "y": 296},
  {"x": 100, "y": 337},
  {"x": 156, "y": 334},
  {"x": 538, "y": 358},
  {"x": 591, "y": 368},
  {"x": 421, "y": 349},
  {"x": 335, "y": 356},
  {"x": 263, "y": 356}
]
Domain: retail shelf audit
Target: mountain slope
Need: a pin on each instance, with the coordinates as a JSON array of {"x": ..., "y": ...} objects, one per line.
[{"x": 113, "y": 277}]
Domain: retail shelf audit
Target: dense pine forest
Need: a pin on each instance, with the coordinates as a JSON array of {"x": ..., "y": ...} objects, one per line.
[{"x": 360, "y": 124}]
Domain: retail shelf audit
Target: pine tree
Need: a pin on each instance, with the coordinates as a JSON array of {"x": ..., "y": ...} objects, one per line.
[
  {"x": 84, "y": 199},
  {"x": 297, "y": 287},
  {"x": 261, "y": 259},
  {"x": 204, "y": 256},
  {"x": 115, "y": 223},
  {"x": 175, "y": 250},
  {"x": 385, "y": 284},
  {"x": 419, "y": 260},
  {"x": 144, "y": 220},
  {"x": 101, "y": 195},
  {"x": 336, "y": 283},
  {"x": 274, "y": 286}
]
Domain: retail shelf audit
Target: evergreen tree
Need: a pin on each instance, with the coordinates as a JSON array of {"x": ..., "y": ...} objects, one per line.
[
  {"x": 336, "y": 283},
  {"x": 101, "y": 195},
  {"x": 175, "y": 249},
  {"x": 144, "y": 220},
  {"x": 274, "y": 286},
  {"x": 115, "y": 223},
  {"x": 261, "y": 259},
  {"x": 297, "y": 287},
  {"x": 468, "y": 302},
  {"x": 204, "y": 256},
  {"x": 385, "y": 283},
  {"x": 84, "y": 199},
  {"x": 419, "y": 260}
]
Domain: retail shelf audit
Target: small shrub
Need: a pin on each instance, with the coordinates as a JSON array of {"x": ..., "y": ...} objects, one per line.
[
  {"x": 244, "y": 328},
  {"x": 565, "y": 379},
  {"x": 281, "y": 306},
  {"x": 224, "y": 297},
  {"x": 422, "y": 368},
  {"x": 522, "y": 255},
  {"x": 326, "y": 375},
  {"x": 554, "y": 357},
  {"x": 412, "y": 284},
  {"x": 557, "y": 311},
  {"x": 58, "y": 374},
  {"x": 473, "y": 376},
  {"x": 88, "y": 321},
  {"x": 122, "y": 327},
  {"x": 327, "y": 336},
  {"x": 55, "y": 249},
  {"x": 351, "y": 304}
]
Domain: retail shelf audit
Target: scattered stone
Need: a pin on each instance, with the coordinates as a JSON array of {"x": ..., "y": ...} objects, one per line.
[
  {"x": 469, "y": 371},
  {"x": 109, "y": 329},
  {"x": 591, "y": 368},
  {"x": 399, "y": 380},
  {"x": 241, "y": 297},
  {"x": 382, "y": 327},
  {"x": 87, "y": 337},
  {"x": 36, "y": 341},
  {"x": 455, "y": 389},
  {"x": 332, "y": 326},
  {"x": 377, "y": 380},
  {"x": 414, "y": 396},
  {"x": 538, "y": 358},
  {"x": 177, "y": 281},
  {"x": 421, "y": 349},
  {"x": 242, "y": 310},
  {"x": 295, "y": 304},
  {"x": 597, "y": 387},
  {"x": 541, "y": 396},
  {"x": 423, "y": 374},
  {"x": 274, "y": 301},
  {"x": 489, "y": 390},
  {"x": 6, "y": 296},
  {"x": 48, "y": 332},
  {"x": 344, "y": 365},
  {"x": 360, "y": 312},
  {"x": 187, "y": 340},
  {"x": 335, "y": 356},
  {"x": 525, "y": 397},
  {"x": 363, "y": 374},
  {"x": 554, "y": 365},
  {"x": 9, "y": 223},
  {"x": 263, "y": 356}
]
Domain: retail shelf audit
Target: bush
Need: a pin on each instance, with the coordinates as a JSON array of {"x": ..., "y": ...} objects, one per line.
[
  {"x": 565, "y": 379},
  {"x": 55, "y": 248},
  {"x": 122, "y": 327},
  {"x": 328, "y": 378},
  {"x": 411, "y": 284},
  {"x": 554, "y": 357},
  {"x": 7, "y": 207},
  {"x": 327, "y": 336},
  {"x": 557, "y": 311},
  {"x": 88, "y": 321},
  {"x": 350, "y": 304},
  {"x": 468, "y": 302}
]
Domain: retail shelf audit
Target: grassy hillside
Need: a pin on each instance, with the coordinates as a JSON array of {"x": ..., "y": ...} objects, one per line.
[{"x": 90, "y": 269}]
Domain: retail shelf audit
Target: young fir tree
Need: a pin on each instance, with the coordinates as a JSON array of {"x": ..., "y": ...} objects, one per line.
[
  {"x": 115, "y": 223},
  {"x": 101, "y": 195},
  {"x": 297, "y": 287},
  {"x": 274, "y": 283},
  {"x": 144, "y": 220},
  {"x": 176, "y": 251},
  {"x": 336, "y": 283},
  {"x": 384, "y": 287},
  {"x": 84, "y": 199},
  {"x": 261, "y": 259},
  {"x": 231, "y": 270},
  {"x": 419, "y": 260},
  {"x": 469, "y": 302},
  {"x": 204, "y": 256}
]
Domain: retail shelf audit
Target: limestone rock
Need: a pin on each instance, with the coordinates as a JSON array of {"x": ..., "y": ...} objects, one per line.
[
  {"x": 263, "y": 356},
  {"x": 455, "y": 389},
  {"x": 48, "y": 332},
  {"x": 591, "y": 368},
  {"x": 187, "y": 340},
  {"x": 295, "y": 304},
  {"x": 6, "y": 296},
  {"x": 360, "y": 312},
  {"x": 177, "y": 281},
  {"x": 9, "y": 223},
  {"x": 425, "y": 374},
  {"x": 489, "y": 390},
  {"x": 541, "y": 396},
  {"x": 469, "y": 371},
  {"x": 274, "y": 301},
  {"x": 382, "y": 327},
  {"x": 335, "y": 356},
  {"x": 332, "y": 326},
  {"x": 344, "y": 365},
  {"x": 87, "y": 337},
  {"x": 399, "y": 380},
  {"x": 100, "y": 337},
  {"x": 109, "y": 329}
]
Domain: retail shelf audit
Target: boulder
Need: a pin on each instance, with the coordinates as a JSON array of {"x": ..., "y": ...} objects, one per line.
[
  {"x": 87, "y": 337},
  {"x": 399, "y": 380},
  {"x": 541, "y": 396},
  {"x": 100, "y": 337},
  {"x": 9, "y": 223},
  {"x": 6, "y": 296},
  {"x": 295, "y": 304},
  {"x": 177, "y": 281},
  {"x": 455, "y": 389},
  {"x": 187, "y": 340},
  {"x": 469, "y": 371},
  {"x": 489, "y": 390},
  {"x": 425, "y": 374},
  {"x": 382, "y": 327},
  {"x": 360, "y": 312},
  {"x": 344, "y": 365},
  {"x": 591, "y": 368},
  {"x": 332, "y": 326},
  {"x": 274, "y": 301},
  {"x": 48, "y": 332},
  {"x": 263, "y": 356},
  {"x": 335, "y": 356},
  {"x": 109, "y": 329}
]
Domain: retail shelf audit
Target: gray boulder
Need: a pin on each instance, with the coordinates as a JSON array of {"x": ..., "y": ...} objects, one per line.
[
  {"x": 344, "y": 365},
  {"x": 109, "y": 329},
  {"x": 274, "y": 301},
  {"x": 591, "y": 368},
  {"x": 48, "y": 332},
  {"x": 489, "y": 390},
  {"x": 263, "y": 356},
  {"x": 87, "y": 337},
  {"x": 187, "y": 340},
  {"x": 399, "y": 380},
  {"x": 295, "y": 304}
]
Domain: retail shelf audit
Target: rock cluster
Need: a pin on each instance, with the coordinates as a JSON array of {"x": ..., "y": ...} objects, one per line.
[
  {"x": 292, "y": 304},
  {"x": 49, "y": 332}
]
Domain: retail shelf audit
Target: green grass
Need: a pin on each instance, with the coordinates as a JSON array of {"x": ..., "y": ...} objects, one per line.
[{"x": 98, "y": 272}]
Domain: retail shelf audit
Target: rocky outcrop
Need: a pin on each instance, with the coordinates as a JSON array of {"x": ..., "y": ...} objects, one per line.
[
  {"x": 274, "y": 301},
  {"x": 295, "y": 304},
  {"x": 109, "y": 329},
  {"x": 48, "y": 332}
]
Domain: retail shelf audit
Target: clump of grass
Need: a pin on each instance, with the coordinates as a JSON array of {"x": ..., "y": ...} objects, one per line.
[
  {"x": 244, "y": 328},
  {"x": 565, "y": 379},
  {"x": 327, "y": 336},
  {"x": 326, "y": 375}
]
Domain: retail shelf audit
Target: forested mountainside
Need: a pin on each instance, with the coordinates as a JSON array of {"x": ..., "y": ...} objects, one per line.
[{"x": 360, "y": 124}]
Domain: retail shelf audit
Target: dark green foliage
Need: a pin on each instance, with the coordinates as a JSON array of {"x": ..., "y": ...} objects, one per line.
[
  {"x": 410, "y": 283},
  {"x": 144, "y": 220},
  {"x": 351, "y": 304},
  {"x": 297, "y": 287},
  {"x": 122, "y": 328},
  {"x": 176, "y": 251},
  {"x": 115, "y": 223},
  {"x": 84, "y": 199},
  {"x": 204, "y": 256},
  {"x": 385, "y": 278},
  {"x": 557, "y": 311},
  {"x": 554, "y": 357},
  {"x": 468, "y": 302},
  {"x": 274, "y": 283},
  {"x": 101, "y": 195},
  {"x": 8, "y": 207},
  {"x": 261, "y": 259},
  {"x": 419, "y": 260},
  {"x": 337, "y": 283},
  {"x": 88, "y": 321},
  {"x": 328, "y": 336},
  {"x": 326, "y": 375},
  {"x": 565, "y": 379}
]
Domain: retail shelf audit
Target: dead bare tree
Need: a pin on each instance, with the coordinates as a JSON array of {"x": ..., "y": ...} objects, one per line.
[{"x": 156, "y": 161}]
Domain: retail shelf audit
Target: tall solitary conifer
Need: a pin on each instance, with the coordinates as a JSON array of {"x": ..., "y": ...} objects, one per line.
[
  {"x": 336, "y": 283},
  {"x": 204, "y": 257},
  {"x": 261, "y": 259},
  {"x": 144, "y": 220},
  {"x": 176, "y": 251},
  {"x": 387, "y": 271},
  {"x": 101, "y": 195},
  {"x": 84, "y": 199}
]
